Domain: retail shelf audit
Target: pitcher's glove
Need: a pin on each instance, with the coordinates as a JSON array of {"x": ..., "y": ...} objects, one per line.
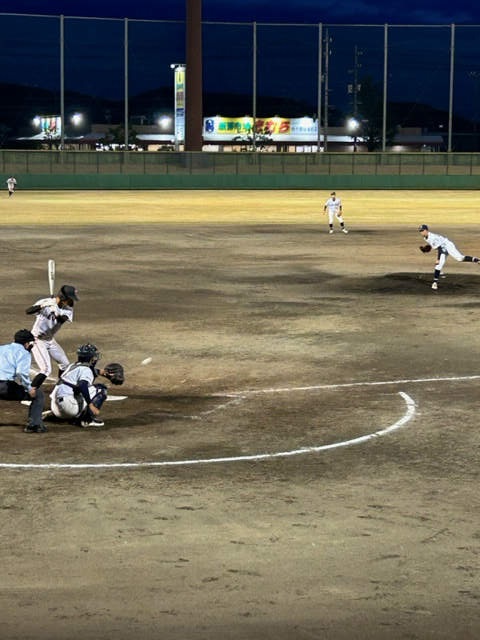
[
  {"x": 425, "y": 248},
  {"x": 114, "y": 372}
]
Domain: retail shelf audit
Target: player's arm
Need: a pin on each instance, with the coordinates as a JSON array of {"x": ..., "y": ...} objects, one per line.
[
  {"x": 35, "y": 308},
  {"x": 44, "y": 303}
]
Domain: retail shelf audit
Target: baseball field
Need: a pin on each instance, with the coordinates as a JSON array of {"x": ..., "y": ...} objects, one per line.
[{"x": 298, "y": 454}]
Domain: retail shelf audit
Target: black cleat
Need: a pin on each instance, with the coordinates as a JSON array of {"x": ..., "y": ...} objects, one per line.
[{"x": 35, "y": 428}]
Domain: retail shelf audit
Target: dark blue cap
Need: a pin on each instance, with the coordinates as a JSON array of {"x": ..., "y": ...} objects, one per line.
[{"x": 423, "y": 227}]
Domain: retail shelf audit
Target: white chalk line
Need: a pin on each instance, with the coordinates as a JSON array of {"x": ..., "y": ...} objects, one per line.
[
  {"x": 343, "y": 385},
  {"x": 199, "y": 416},
  {"x": 408, "y": 415},
  {"x": 238, "y": 396}
]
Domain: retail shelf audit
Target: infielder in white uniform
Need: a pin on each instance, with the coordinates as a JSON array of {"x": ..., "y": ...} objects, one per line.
[
  {"x": 333, "y": 206},
  {"x": 445, "y": 248},
  {"x": 76, "y": 397},
  {"x": 11, "y": 185},
  {"x": 51, "y": 314}
]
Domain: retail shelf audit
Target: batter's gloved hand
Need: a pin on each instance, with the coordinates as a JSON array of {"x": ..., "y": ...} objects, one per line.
[
  {"x": 425, "y": 248},
  {"x": 42, "y": 304},
  {"x": 114, "y": 372},
  {"x": 49, "y": 302}
]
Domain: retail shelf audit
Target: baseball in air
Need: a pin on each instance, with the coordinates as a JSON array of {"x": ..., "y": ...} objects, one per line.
[{"x": 147, "y": 361}]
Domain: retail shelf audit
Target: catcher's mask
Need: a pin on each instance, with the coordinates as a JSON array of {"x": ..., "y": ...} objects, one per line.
[{"x": 88, "y": 353}]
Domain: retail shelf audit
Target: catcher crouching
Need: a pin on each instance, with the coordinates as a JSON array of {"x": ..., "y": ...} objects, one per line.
[{"x": 77, "y": 397}]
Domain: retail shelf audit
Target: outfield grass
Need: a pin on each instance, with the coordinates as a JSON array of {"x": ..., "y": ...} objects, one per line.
[{"x": 232, "y": 207}]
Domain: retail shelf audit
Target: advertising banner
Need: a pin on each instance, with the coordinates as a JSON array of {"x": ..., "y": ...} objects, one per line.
[
  {"x": 279, "y": 129},
  {"x": 179, "y": 104}
]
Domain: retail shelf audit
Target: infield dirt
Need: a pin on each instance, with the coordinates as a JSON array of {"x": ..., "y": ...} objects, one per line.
[{"x": 229, "y": 293}]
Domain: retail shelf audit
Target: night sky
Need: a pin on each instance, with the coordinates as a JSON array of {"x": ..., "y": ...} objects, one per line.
[
  {"x": 331, "y": 11},
  {"x": 419, "y": 46}
]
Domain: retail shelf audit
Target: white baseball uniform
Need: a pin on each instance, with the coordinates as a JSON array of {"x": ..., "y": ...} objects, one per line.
[
  {"x": 11, "y": 184},
  {"x": 445, "y": 247},
  {"x": 74, "y": 391},
  {"x": 48, "y": 321},
  {"x": 333, "y": 207}
]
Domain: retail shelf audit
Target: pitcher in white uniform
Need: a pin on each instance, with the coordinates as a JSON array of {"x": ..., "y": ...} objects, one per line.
[{"x": 445, "y": 248}]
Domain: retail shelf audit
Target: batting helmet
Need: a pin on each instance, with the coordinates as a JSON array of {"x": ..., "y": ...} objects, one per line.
[
  {"x": 23, "y": 336},
  {"x": 88, "y": 353},
  {"x": 68, "y": 292}
]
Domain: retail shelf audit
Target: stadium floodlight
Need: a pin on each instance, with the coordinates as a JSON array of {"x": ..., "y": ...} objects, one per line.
[
  {"x": 353, "y": 125},
  {"x": 77, "y": 119},
  {"x": 164, "y": 122}
]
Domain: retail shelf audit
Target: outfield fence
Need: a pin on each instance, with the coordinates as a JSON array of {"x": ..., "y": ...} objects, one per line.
[
  {"x": 197, "y": 170},
  {"x": 237, "y": 164}
]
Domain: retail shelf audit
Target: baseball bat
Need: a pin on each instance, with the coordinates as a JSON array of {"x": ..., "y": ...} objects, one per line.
[{"x": 51, "y": 276}]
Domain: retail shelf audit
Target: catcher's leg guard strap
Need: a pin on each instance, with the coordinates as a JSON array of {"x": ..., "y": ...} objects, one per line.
[{"x": 100, "y": 396}]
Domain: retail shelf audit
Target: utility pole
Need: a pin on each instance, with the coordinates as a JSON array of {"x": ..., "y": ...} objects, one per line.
[
  {"x": 355, "y": 89},
  {"x": 356, "y": 86},
  {"x": 325, "y": 87}
]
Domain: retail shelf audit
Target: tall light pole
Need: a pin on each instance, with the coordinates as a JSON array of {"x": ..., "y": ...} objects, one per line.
[
  {"x": 179, "y": 107},
  {"x": 194, "y": 84},
  {"x": 328, "y": 40}
]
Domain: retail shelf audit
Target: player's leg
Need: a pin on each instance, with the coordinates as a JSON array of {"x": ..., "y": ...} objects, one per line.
[
  {"x": 11, "y": 390},
  {"x": 35, "y": 424},
  {"x": 98, "y": 394},
  {"x": 454, "y": 252},
  {"x": 58, "y": 355},
  {"x": 457, "y": 255},
  {"x": 442, "y": 257},
  {"x": 66, "y": 407},
  {"x": 331, "y": 216},
  {"x": 342, "y": 222},
  {"x": 42, "y": 359}
]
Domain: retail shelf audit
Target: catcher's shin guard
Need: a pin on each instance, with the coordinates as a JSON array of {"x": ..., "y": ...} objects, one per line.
[
  {"x": 97, "y": 401},
  {"x": 100, "y": 396}
]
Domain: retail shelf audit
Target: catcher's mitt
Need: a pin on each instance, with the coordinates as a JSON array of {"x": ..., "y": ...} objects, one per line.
[
  {"x": 425, "y": 248},
  {"x": 114, "y": 372}
]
